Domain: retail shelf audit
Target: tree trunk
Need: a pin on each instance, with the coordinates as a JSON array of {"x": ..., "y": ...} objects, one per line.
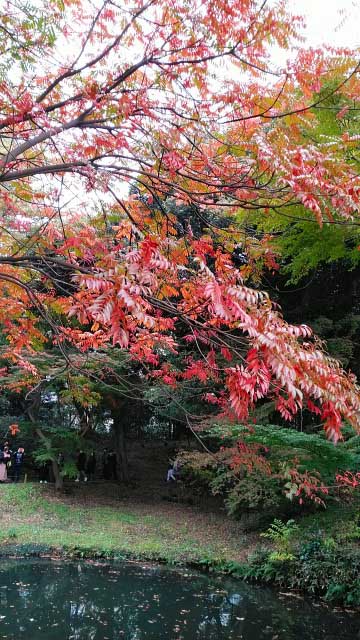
[
  {"x": 32, "y": 411},
  {"x": 84, "y": 418},
  {"x": 59, "y": 482},
  {"x": 121, "y": 449}
]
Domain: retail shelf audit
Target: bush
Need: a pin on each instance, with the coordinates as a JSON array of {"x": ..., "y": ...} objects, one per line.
[
  {"x": 320, "y": 567},
  {"x": 313, "y": 452},
  {"x": 242, "y": 494},
  {"x": 332, "y": 571},
  {"x": 253, "y": 492},
  {"x": 269, "y": 566},
  {"x": 268, "y": 469}
]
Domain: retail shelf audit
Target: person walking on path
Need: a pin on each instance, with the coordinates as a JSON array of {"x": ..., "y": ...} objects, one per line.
[{"x": 173, "y": 471}]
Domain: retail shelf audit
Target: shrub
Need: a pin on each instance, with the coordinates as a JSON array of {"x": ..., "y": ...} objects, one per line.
[
  {"x": 259, "y": 467},
  {"x": 253, "y": 492},
  {"x": 319, "y": 567},
  {"x": 328, "y": 570}
]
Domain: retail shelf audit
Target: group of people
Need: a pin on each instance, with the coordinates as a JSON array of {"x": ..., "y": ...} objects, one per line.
[
  {"x": 11, "y": 463},
  {"x": 87, "y": 464}
]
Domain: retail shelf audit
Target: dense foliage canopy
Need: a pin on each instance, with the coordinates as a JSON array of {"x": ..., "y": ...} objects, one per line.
[{"x": 135, "y": 141}]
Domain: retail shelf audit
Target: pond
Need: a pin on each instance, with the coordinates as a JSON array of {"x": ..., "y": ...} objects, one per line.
[{"x": 92, "y": 601}]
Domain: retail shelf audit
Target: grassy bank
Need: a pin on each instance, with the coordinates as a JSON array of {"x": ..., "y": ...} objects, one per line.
[
  {"x": 318, "y": 555},
  {"x": 87, "y": 522}
]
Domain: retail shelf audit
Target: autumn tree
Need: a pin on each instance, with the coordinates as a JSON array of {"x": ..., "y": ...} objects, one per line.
[
  {"x": 182, "y": 100},
  {"x": 301, "y": 242},
  {"x": 313, "y": 269}
]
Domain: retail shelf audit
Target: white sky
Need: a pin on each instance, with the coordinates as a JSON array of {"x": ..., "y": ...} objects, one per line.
[
  {"x": 331, "y": 22},
  {"x": 334, "y": 22}
]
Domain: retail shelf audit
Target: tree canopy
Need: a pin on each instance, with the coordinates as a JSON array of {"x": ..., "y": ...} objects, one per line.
[{"x": 112, "y": 119}]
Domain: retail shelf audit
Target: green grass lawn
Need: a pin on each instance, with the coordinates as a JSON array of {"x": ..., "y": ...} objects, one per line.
[
  {"x": 34, "y": 515},
  {"x": 92, "y": 519},
  {"x": 105, "y": 522}
]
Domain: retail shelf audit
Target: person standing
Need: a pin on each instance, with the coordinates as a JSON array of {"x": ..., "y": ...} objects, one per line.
[
  {"x": 3, "y": 474},
  {"x": 18, "y": 463},
  {"x": 81, "y": 466},
  {"x": 44, "y": 472},
  {"x": 5, "y": 458},
  {"x": 112, "y": 465},
  {"x": 91, "y": 466},
  {"x": 105, "y": 464}
]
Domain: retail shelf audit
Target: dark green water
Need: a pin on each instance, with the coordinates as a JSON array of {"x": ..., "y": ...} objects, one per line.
[{"x": 88, "y": 601}]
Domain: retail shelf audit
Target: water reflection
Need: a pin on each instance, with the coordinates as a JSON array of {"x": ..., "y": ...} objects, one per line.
[{"x": 69, "y": 601}]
